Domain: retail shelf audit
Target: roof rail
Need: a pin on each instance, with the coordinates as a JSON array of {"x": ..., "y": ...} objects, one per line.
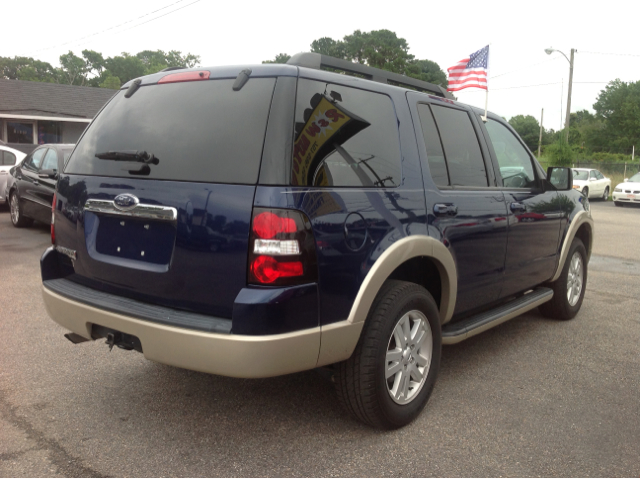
[
  {"x": 169, "y": 69},
  {"x": 318, "y": 61}
]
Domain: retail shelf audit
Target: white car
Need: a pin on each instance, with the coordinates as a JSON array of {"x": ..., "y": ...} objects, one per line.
[
  {"x": 8, "y": 159},
  {"x": 627, "y": 192},
  {"x": 591, "y": 183}
]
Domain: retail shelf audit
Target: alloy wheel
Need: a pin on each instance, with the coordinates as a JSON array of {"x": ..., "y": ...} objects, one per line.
[
  {"x": 408, "y": 358},
  {"x": 15, "y": 209},
  {"x": 575, "y": 279}
]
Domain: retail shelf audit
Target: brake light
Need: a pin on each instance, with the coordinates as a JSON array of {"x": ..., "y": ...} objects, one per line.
[
  {"x": 184, "y": 76},
  {"x": 282, "y": 248},
  {"x": 53, "y": 219}
]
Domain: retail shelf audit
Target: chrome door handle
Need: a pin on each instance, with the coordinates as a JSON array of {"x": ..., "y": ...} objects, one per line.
[
  {"x": 518, "y": 207},
  {"x": 442, "y": 209}
]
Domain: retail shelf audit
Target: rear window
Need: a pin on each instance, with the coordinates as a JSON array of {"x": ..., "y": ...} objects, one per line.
[{"x": 199, "y": 131}]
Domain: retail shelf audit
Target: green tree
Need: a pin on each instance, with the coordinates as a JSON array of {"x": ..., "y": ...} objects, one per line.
[
  {"x": 26, "y": 68},
  {"x": 560, "y": 152},
  {"x": 618, "y": 105},
  {"x": 430, "y": 72},
  {"x": 111, "y": 82},
  {"x": 528, "y": 128},
  {"x": 280, "y": 58}
]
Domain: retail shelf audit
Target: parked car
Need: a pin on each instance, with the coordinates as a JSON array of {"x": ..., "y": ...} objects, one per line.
[
  {"x": 365, "y": 224},
  {"x": 8, "y": 159},
  {"x": 627, "y": 192},
  {"x": 32, "y": 183},
  {"x": 591, "y": 183}
]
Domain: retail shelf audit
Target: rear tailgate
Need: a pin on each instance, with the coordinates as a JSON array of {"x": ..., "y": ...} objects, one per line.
[{"x": 175, "y": 231}]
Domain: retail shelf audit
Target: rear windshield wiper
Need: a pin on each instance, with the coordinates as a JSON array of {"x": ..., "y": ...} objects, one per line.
[{"x": 139, "y": 156}]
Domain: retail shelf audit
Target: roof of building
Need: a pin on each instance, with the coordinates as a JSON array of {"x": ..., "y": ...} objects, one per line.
[{"x": 51, "y": 99}]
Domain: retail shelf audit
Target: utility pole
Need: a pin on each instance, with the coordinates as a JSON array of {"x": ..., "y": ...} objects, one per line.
[
  {"x": 540, "y": 139},
  {"x": 566, "y": 125}
]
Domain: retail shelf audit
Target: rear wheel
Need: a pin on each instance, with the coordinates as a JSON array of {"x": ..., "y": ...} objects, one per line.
[
  {"x": 17, "y": 218},
  {"x": 389, "y": 377},
  {"x": 605, "y": 195},
  {"x": 569, "y": 288},
  {"x": 585, "y": 191}
]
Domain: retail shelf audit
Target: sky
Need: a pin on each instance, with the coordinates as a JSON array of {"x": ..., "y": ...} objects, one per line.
[{"x": 523, "y": 79}]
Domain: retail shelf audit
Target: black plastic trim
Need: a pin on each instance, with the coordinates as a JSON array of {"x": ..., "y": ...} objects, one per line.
[{"x": 137, "y": 309}]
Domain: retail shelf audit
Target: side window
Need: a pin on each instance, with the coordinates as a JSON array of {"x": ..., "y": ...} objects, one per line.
[
  {"x": 35, "y": 161},
  {"x": 435, "y": 154},
  {"x": 344, "y": 137},
  {"x": 592, "y": 174},
  {"x": 9, "y": 158},
  {"x": 462, "y": 151},
  {"x": 599, "y": 175},
  {"x": 50, "y": 160},
  {"x": 514, "y": 160}
]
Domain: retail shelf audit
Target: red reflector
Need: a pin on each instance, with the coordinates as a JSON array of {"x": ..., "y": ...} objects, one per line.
[
  {"x": 184, "y": 76},
  {"x": 267, "y": 225},
  {"x": 268, "y": 269},
  {"x": 53, "y": 226}
]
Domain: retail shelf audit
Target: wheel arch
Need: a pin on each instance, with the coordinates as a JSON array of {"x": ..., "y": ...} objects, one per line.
[
  {"x": 581, "y": 226},
  {"x": 396, "y": 262}
]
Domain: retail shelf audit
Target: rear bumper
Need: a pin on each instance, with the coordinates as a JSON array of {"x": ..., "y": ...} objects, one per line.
[{"x": 223, "y": 354}]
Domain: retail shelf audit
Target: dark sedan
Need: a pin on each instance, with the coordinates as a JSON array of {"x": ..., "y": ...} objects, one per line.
[{"x": 32, "y": 185}]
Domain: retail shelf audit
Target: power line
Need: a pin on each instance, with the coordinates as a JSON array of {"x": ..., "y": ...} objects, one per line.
[
  {"x": 615, "y": 54},
  {"x": 119, "y": 25},
  {"x": 160, "y": 16},
  {"x": 524, "y": 67}
]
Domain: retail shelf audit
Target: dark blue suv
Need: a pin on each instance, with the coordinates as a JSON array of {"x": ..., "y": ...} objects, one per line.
[{"x": 258, "y": 221}]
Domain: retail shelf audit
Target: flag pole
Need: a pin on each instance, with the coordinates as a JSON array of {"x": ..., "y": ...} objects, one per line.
[{"x": 486, "y": 104}]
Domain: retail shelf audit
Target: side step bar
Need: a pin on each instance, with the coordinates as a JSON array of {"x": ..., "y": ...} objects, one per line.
[{"x": 454, "y": 333}]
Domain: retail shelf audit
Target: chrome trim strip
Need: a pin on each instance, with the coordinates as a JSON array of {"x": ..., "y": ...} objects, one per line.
[{"x": 152, "y": 212}]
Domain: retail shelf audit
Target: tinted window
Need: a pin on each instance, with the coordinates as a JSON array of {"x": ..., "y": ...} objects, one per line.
[
  {"x": 349, "y": 142},
  {"x": 599, "y": 175},
  {"x": 9, "y": 158},
  {"x": 50, "y": 160},
  {"x": 461, "y": 147},
  {"x": 34, "y": 162},
  {"x": 435, "y": 155},
  {"x": 514, "y": 160},
  {"x": 579, "y": 175},
  {"x": 199, "y": 131}
]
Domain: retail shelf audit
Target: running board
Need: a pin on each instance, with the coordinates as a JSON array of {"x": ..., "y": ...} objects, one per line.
[{"x": 454, "y": 333}]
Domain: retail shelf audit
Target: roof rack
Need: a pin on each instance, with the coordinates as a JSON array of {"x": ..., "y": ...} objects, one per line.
[{"x": 318, "y": 61}]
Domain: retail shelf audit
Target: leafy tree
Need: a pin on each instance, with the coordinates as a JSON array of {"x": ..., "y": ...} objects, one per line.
[
  {"x": 73, "y": 69},
  {"x": 560, "y": 153},
  {"x": 430, "y": 72},
  {"x": 618, "y": 105},
  {"x": 280, "y": 58},
  {"x": 528, "y": 128},
  {"x": 26, "y": 68},
  {"x": 111, "y": 82}
]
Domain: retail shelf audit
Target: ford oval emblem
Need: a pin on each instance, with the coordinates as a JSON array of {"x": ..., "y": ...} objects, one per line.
[{"x": 125, "y": 201}]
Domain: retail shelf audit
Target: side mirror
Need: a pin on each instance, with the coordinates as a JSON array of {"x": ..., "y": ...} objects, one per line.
[
  {"x": 626, "y": 179},
  {"x": 560, "y": 177},
  {"x": 48, "y": 174}
]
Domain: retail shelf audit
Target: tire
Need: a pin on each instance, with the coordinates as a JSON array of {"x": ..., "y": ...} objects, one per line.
[
  {"x": 567, "y": 302},
  {"x": 585, "y": 191},
  {"x": 618, "y": 203},
  {"x": 605, "y": 195},
  {"x": 361, "y": 381},
  {"x": 17, "y": 218}
]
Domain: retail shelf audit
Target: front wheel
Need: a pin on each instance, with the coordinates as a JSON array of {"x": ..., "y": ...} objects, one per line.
[
  {"x": 389, "y": 377},
  {"x": 569, "y": 288},
  {"x": 605, "y": 195},
  {"x": 17, "y": 218}
]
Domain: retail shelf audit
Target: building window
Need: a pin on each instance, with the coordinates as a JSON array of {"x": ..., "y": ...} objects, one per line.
[
  {"x": 19, "y": 132},
  {"x": 48, "y": 132}
]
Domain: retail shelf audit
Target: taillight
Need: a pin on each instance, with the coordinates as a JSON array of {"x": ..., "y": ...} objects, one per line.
[
  {"x": 281, "y": 248},
  {"x": 53, "y": 219}
]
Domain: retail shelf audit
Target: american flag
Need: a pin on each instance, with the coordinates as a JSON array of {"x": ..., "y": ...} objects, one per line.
[{"x": 470, "y": 72}]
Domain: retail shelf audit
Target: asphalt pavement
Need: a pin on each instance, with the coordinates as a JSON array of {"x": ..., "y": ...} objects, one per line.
[{"x": 532, "y": 397}]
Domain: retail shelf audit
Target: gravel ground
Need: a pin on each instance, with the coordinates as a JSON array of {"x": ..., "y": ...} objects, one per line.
[{"x": 532, "y": 397}]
